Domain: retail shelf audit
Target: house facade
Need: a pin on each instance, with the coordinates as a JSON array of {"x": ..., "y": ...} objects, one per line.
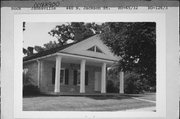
[{"x": 74, "y": 68}]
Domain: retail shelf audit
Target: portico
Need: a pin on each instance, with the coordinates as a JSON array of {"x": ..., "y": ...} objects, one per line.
[{"x": 82, "y": 62}]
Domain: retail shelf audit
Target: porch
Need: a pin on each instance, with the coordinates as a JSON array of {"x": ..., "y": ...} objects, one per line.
[{"x": 66, "y": 74}]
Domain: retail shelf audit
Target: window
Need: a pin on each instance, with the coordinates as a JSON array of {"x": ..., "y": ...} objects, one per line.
[
  {"x": 98, "y": 50},
  {"x": 86, "y": 78},
  {"x": 53, "y": 75},
  {"x": 77, "y": 77},
  {"x": 64, "y": 76},
  {"x": 92, "y": 48},
  {"x": 95, "y": 49}
]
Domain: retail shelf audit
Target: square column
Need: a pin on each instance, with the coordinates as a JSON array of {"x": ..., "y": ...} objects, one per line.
[
  {"x": 121, "y": 81},
  {"x": 41, "y": 84},
  {"x": 39, "y": 73},
  {"x": 103, "y": 78},
  {"x": 82, "y": 76},
  {"x": 57, "y": 74}
]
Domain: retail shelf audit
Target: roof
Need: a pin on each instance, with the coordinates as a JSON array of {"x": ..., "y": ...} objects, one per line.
[{"x": 50, "y": 51}]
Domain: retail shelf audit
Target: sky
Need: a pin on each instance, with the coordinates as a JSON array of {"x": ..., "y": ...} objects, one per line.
[{"x": 37, "y": 33}]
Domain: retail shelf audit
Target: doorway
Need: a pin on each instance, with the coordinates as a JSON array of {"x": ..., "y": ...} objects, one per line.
[{"x": 97, "y": 82}]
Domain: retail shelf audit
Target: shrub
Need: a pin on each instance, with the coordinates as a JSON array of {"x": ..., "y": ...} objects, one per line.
[
  {"x": 111, "y": 87},
  {"x": 133, "y": 84},
  {"x": 29, "y": 86},
  {"x": 30, "y": 90},
  {"x": 152, "y": 89}
]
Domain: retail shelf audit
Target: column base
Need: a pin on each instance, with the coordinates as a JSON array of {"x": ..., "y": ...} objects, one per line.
[
  {"x": 103, "y": 92},
  {"x": 82, "y": 92}
]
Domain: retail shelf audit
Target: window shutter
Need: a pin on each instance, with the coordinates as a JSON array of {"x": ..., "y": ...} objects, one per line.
[
  {"x": 86, "y": 78},
  {"x": 53, "y": 75},
  {"x": 66, "y": 76},
  {"x": 75, "y": 77}
]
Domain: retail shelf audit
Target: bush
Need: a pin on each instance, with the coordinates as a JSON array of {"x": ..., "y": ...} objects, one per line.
[
  {"x": 111, "y": 87},
  {"x": 29, "y": 86},
  {"x": 30, "y": 90},
  {"x": 152, "y": 89},
  {"x": 133, "y": 84}
]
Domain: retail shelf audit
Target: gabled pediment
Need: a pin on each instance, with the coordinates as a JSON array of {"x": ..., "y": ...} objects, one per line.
[{"x": 92, "y": 46}]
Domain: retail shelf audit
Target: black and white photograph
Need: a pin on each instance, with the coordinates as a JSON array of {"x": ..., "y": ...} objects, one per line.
[
  {"x": 80, "y": 66},
  {"x": 97, "y": 64},
  {"x": 89, "y": 59}
]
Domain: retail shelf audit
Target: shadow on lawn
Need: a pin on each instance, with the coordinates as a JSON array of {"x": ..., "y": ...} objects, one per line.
[
  {"x": 102, "y": 97},
  {"x": 118, "y": 96},
  {"x": 95, "y": 97},
  {"x": 40, "y": 95}
]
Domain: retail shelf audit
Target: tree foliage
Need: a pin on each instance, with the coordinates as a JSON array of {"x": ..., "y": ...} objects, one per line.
[
  {"x": 135, "y": 43},
  {"x": 133, "y": 84},
  {"x": 38, "y": 48},
  {"x": 74, "y": 31}
]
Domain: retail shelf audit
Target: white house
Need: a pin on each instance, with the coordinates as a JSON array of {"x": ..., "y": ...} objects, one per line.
[{"x": 74, "y": 68}]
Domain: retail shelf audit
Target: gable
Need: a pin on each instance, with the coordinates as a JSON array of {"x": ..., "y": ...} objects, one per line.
[{"x": 92, "y": 46}]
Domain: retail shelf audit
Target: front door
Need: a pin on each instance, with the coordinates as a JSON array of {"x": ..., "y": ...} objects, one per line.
[{"x": 97, "y": 82}]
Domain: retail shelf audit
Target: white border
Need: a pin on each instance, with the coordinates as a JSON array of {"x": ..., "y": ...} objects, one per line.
[{"x": 159, "y": 18}]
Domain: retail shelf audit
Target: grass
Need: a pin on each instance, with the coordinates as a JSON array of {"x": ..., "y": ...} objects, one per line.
[
  {"x": 147, "y": 96},
  {"x": 83, "y": 103}
]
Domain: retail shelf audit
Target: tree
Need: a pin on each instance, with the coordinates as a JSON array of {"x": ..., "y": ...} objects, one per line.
[
  {"x": 46, "y": 46},
  {"x": 38, "y": 48},
  {"x": 63, "y": 33},
  {"x": 83, "y": 30},
  {"x": 74, "y": 31},
  {"x": 135, "y": 43},
  {"x": 25, "y": 51}
]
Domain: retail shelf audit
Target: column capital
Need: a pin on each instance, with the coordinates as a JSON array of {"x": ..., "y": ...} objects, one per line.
[
  {"x": 104, "y": 64},
  {"x": 58, "y": 56},
  {"x": 83, "y": 60}
]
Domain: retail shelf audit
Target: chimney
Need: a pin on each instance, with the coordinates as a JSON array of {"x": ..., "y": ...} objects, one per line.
[{"x": 30, "y": 51}]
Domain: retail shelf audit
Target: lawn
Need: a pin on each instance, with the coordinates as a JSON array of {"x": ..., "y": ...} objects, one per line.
[
  {"x": 147, "y": 96},
  {"x": 83, "y": 103}
]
